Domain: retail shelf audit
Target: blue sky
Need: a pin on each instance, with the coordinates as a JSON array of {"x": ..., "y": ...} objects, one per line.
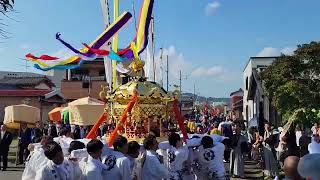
[{"x": 209, "y": 40}]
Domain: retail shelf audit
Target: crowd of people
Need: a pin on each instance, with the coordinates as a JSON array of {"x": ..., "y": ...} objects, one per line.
[{"x": 61, "y": 151}]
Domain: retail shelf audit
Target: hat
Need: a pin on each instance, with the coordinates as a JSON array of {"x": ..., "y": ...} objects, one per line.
[{"x": 309, "y": 166}]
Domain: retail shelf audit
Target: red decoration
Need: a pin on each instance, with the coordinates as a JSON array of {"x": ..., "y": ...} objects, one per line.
[
  {"x": 42, "y": 57},
  {"x": 179, "y": 119},
  {"x": 123, "y": 118},
  {"x": 92, "y": 134}
]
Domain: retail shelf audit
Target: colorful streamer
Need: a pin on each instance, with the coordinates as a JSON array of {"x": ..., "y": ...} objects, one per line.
[
  {"x": 91, "y": 52},
  {"x": 112, "y": 30},
  {"x": 42, "y": 57},
  {"x": 97, "y": 43},
  {"x": 59, "y": 67},
  {"x": 144, "y": 23},
  {"x": 123, "y": 118}
]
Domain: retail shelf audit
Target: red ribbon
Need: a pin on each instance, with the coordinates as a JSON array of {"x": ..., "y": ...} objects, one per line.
[{"x": 42, "y": 57}]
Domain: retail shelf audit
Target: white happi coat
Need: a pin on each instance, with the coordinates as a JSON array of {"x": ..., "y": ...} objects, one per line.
[
  {"x": 35, "y": 161},
  {"x": 152, "y": 168},
  {"x": 92, "y": 169},
  {"x": 175, "y": 159},
  {"x": 118, "y": 166},
  {"x": 66, "y": 171},
  {"x": 211, "y": 162}
]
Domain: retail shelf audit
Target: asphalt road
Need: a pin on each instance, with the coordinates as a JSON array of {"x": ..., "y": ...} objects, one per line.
[{"x": 13, "y": 172}]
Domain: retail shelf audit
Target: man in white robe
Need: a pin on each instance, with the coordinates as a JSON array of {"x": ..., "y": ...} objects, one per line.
[
  {"x": 210, "y": 159},
  {"x": 153, "y": 167},
  {"x": 176, "y": 154},
  {"x": 133, "y": 155},
  {"x": 57, "y": 168},
  {"x": 92, "y": 167},
  {"x": 236, "y": 154},
  {"x": 271, "y": 166},
  {"x": 119, "y": 166},
  {"x": 36, "y": 159}
]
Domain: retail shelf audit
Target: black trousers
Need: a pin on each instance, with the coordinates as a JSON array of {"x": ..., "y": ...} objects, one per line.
[
  {"x": 23, "y": 152},
  {"x": 4, "y": 160}
]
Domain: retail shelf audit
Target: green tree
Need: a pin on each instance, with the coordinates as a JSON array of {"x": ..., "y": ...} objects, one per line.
[
  {"x": 6, "y": 5},
  {"x": 293, "y": 82}
]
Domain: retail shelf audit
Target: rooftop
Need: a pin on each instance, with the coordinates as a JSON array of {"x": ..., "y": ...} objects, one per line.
[
  {"x": 25, "y": 81},
  {"x": 259, "y": 59},
  {"x": 24, "y": 92}
]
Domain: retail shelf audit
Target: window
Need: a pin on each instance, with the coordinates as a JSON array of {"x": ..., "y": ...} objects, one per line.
[
  {"x": 247, "y": 113},
  {"x": 101, "y": 73},
  {"x": 247, "y": 83},
  {"x": 85, "y": 85}
]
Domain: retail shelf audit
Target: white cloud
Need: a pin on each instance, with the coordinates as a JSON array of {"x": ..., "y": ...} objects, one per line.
[
  {"x": 214, "y": 71},
  {"x": 211, "y": 7},
  {"x": 288, "y": 51},
  {"x": 270, "y": 51},
  {"x": 176, "y": 61}
]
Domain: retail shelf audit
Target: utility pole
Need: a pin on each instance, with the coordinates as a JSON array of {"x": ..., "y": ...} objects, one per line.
[
  {"x": 180, "y": 79},
  {"x": 194, "y": 94},
  {"x": 153, "y": 50},
  {"x": 161, "y": 67},
  {"x": 167, "y": 73}
]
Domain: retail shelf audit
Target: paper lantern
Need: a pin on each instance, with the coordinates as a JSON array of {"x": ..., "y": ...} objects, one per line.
[
  {"x": 55, "y": 114},
  {"x": 85, "y": 111},
  {"x": 17, "y": 114}
]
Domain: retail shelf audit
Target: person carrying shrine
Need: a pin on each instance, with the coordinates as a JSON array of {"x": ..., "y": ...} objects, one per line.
[
  {"x": 176, "y": 154},
  {"x": 153, "y": 167}
]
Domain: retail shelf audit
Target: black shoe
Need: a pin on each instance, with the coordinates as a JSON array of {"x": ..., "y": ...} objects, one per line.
[{"x": 4, "y": 169}]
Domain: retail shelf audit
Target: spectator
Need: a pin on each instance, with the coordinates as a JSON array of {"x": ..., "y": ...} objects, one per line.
[
  {"x": 290, "y": 168},
  {"x": 238, "y": 149},
  {"x": 215, "y": 129},
  {"x": 304, "y": 141},
  {"x": 314, "y": 128},
  {"x": 269, "y": 149},
  {"x": 76, "y": 132},
  {"x": 314, "y": 146},
  {"x": 5, "y": 141},
  {"x": 52, "y": 130},
  {"x": 199, "y": 129},
  {"x": 24, "y": 141},
  {"x": 37, "y": 133}
]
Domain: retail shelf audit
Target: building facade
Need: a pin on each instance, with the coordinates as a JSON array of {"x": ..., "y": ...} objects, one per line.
[
  {"x": 28, "y": 88},
  {"x": 84, "y": 81},
  {"x": 256, "y": 105},
  {"x": 237, "y": 104}
]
